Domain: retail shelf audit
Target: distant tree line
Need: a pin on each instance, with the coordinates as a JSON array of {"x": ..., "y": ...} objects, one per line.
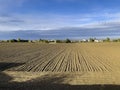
[
  {"x": 40, "y": 41},
  {"x": 105, "y": 40},
  {"x": 111, "y": 40},
  {"x": 63, "y": 41},
  {"x": 17, "y": 40}
]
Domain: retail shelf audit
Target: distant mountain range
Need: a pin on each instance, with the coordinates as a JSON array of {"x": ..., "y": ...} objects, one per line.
[{"x": 72, "y": 33}]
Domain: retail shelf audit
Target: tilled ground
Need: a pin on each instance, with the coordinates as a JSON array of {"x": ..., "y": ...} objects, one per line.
[
  {"x": 56, "y": 57},
  {"x": 83, "y": 63}
]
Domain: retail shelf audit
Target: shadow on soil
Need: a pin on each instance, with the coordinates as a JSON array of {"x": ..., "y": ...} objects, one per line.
[
  {"x": 47, "y": 82},
  {"x": 6, "y": 65}
]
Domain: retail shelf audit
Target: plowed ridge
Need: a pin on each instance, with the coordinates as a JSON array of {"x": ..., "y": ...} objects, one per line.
[{"x": 56, "y": 58}]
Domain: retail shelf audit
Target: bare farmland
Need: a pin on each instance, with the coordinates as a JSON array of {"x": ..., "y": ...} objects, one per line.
[{"x": 84, "y": 63}]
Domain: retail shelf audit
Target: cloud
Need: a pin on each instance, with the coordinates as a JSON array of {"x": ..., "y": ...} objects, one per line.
[
  {"x": 57, "y": 21},
  {"x": 38, "y": 22},
  {"x": 50, "y": 21}
]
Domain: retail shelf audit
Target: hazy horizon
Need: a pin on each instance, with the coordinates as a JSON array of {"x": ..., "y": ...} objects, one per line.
[{"x": 73, "y": 34}]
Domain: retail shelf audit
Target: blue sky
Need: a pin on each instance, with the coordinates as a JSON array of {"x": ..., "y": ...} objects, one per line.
[{"x": 56, "y": 14}]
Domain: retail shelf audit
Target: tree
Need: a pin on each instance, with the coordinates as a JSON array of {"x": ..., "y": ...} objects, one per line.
[
  {"x": 18, "y": 39},
  {"x": 108, "y": 39},
  {"x": 13, "y": 40},
  {"x": 92, "y": 40},
  {"x": 58, "y": 41},
  {"x": 67, "y": 41}
]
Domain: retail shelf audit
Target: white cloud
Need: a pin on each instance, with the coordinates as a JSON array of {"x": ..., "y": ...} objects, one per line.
[
  {"x": 38, "y": 22},
  {"x": 52, "y": 21}
]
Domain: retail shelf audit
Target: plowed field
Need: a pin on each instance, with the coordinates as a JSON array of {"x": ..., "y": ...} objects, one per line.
[{"x": 87, "y": 59}]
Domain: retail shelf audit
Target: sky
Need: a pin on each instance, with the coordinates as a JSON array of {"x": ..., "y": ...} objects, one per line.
[{"x": 56, "y": 14}]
